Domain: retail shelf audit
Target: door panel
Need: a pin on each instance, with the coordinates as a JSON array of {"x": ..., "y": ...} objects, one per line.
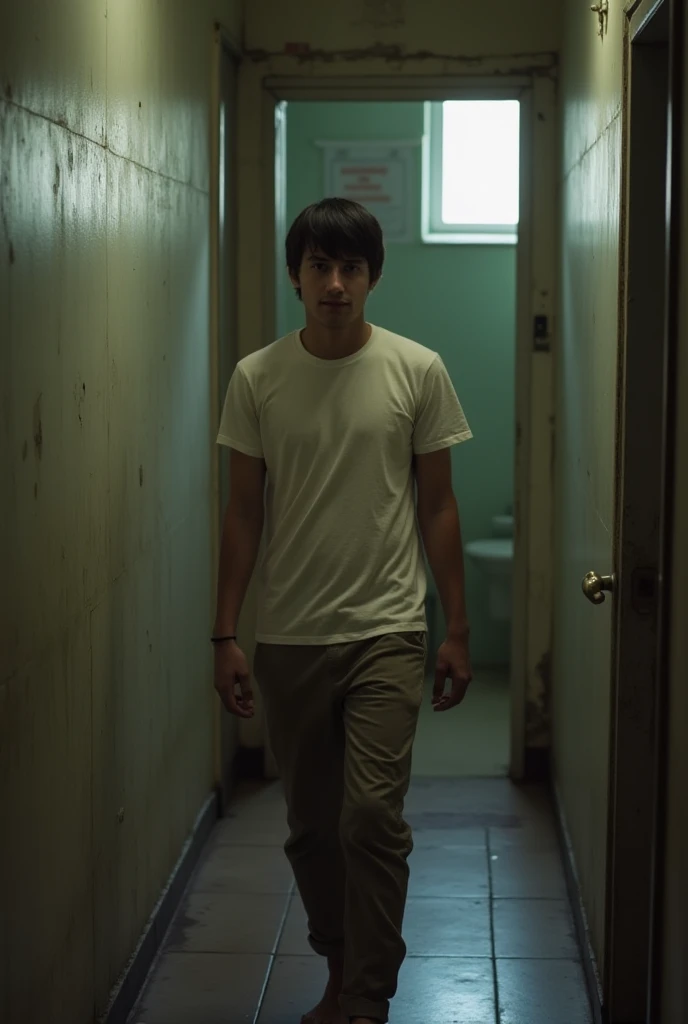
[{"x": 643, "y": 329}]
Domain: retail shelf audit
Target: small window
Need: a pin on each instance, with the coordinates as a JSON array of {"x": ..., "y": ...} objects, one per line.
[{"x": 471, "y": 172}]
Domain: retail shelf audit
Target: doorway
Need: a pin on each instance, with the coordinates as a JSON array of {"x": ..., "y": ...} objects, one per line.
[
  {"x": 259, "y": 234},
  {"x": 454, "y": 291},
  {"x": 526, "y": 742}
]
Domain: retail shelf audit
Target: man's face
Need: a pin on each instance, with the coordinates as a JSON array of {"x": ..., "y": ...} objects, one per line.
[{"x": 334, "y": 291}]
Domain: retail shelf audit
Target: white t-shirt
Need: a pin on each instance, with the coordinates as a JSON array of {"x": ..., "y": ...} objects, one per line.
[{"x": 342, "y": 555}]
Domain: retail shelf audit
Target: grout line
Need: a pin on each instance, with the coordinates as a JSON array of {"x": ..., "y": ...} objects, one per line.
[
  {"x": 480, "y": 897},
  {"x": 409, "y": 956},
  {"x": 492, "y": 930},
  {"x": 273, "y": 956}
]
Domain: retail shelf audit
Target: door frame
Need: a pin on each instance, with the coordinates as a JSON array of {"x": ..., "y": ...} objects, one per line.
[
  {"x": 267, "y": 82},
  {"x": 638, "y": 584},
  {"x": 668, "y": 994}
]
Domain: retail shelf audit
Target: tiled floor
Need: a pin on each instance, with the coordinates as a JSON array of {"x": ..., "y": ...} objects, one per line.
[
  {"x": 473, "y": 741},
  {"x": 488, "y": 927}
]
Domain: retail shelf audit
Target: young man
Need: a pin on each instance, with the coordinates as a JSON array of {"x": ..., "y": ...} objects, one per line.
[{"x": 329, "y": 429}]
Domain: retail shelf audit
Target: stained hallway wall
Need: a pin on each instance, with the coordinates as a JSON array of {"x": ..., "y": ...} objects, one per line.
[
  {"x": 356, "y": 31},
  {"x": 585, "y": 403},
  {"x": 106, "y": 708}
]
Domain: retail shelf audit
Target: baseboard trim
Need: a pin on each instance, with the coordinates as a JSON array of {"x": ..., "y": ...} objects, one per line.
[
  {"x": 129, "y": 987},
  {"x": 592, "y": 976}
]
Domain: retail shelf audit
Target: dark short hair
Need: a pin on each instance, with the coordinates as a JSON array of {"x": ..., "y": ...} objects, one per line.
[{"x": 339, "y": 228}]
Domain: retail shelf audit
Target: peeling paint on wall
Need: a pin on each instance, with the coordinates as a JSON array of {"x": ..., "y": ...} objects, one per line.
[
  {"x": 538, "y": 704},
  {"x": 525, "y": 63},
  {"x": 108, "y": 574}
]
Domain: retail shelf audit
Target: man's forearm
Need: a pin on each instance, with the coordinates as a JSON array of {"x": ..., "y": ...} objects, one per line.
[
  {"x": 441, "y": 533},
  {"x": 238, "y": 554}
]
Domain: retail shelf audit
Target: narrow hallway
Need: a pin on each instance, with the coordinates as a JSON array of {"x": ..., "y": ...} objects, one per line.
[
  {"x": 488, "y": 926},
  {"x": 153, "y": 155}
]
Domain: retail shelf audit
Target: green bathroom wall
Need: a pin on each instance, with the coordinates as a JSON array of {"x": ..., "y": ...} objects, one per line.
[{"x": 460, "y": 301}]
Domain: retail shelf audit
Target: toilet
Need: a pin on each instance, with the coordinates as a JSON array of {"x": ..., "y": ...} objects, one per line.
[{"x": 494, "y": 557}]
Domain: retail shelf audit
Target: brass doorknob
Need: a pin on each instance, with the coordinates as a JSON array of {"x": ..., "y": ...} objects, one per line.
[{"x": 594, "y": 586}]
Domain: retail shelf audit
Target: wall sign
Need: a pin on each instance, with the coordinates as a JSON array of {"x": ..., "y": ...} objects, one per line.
[{"x": 379, "y": 175}]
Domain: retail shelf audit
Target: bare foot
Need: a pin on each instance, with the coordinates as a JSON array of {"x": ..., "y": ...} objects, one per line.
[{"x": 328, "y": 1010}]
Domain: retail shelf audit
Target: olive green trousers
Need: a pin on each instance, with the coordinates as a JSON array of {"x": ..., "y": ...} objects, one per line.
[{"x": 341, "y": 722}]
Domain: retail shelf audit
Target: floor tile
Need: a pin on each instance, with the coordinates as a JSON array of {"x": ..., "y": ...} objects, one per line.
[
  {"x": 538, "y": 834},
  {"x": 228, "y": 923},
  {"x": 244, "y": 830},
  {"x": 449, "y": 871},
  {"x": 447, "y": 927},
  {"x": 538, "y": 928},
  {"x": 445, "y": 990},
  {"x": 435, "y": 990},
  {"x": 296, "y": 985},
  {"x": 432, "y": 927},
  {"x": 203, "y": 988},
  {"x": 527, "y": 873},
  {"x": 259, "y": 793},
  {"x": 217, "y": 957},
  {"x": 244, "y": 869},
  {"x": 425, "y": 834},
  {"x": 542, "y": 992},
  {"x": 534, "y": 832},
  {"x": 494, "y": 803},
  {"x": 464, "y": 821}
]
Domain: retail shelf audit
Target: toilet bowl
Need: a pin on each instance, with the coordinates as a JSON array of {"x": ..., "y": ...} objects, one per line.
[{"x": 494, "y": 557}]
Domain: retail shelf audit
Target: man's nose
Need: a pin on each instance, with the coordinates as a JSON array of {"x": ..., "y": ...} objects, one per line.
[{"x": 335, "y": 283}]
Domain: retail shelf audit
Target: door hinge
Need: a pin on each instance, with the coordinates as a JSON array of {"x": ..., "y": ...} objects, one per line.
[{"x": 541, "y": 333}]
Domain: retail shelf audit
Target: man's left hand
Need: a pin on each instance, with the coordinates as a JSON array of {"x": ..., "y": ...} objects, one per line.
[{"x": 453, "y": 661}]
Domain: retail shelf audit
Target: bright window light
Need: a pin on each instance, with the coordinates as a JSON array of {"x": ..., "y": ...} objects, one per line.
[
  {"x": 471, "y": 181},
  {"x": 480, "y": 162}
]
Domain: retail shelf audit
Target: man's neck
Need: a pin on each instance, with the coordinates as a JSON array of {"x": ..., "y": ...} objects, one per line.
[{"x": 337, "y": 344}]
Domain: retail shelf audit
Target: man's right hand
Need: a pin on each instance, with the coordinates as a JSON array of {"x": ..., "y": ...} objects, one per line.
[{"x": 233, "y": 679}]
